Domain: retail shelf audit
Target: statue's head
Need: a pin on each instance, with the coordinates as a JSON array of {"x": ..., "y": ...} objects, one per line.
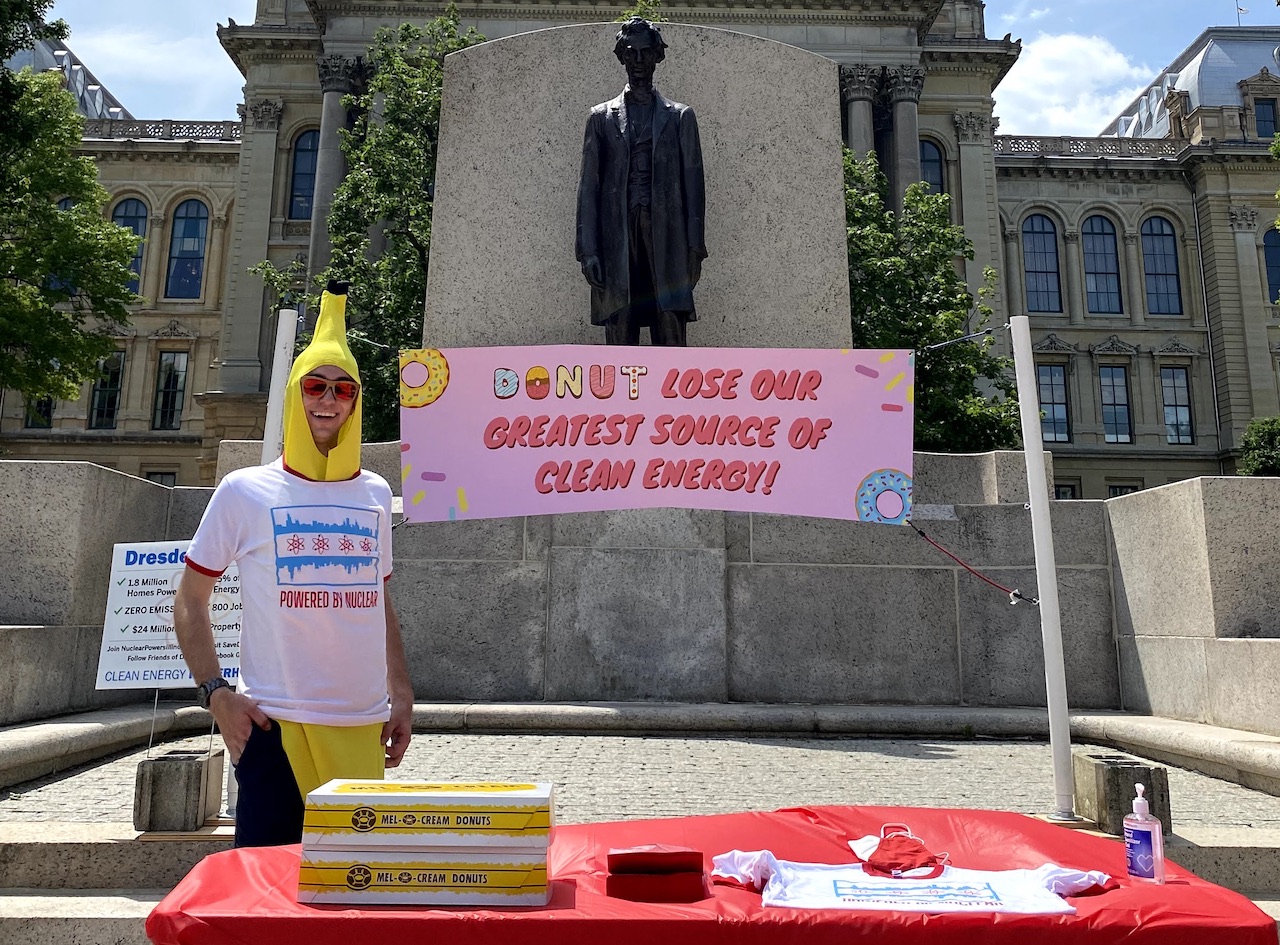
[{"x": 639, "y": 48}]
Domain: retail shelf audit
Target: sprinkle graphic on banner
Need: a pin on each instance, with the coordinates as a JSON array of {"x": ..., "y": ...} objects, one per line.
[{"x": 433, "y": 476}]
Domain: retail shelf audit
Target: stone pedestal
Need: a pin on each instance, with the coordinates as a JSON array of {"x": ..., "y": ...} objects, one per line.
[
  {"x": 178, "y": 790},
  {"x": 503, "y": 270},
  {"x": 1104, "y": 783}
]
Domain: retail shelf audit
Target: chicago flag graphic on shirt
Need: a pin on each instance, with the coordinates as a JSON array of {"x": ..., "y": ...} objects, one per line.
[{"x": 326, "y": 545}]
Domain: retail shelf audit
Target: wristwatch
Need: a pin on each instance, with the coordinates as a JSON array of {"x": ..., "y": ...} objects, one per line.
[{"x": 207, "y": 689}]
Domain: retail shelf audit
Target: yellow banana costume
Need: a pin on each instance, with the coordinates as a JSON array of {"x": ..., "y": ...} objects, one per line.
[
  {"x": 328, "y": 346},
  {"x": 319, "y": 752}
]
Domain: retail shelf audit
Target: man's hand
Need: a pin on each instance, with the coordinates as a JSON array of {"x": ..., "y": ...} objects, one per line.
[
  {"x": 695, "y": 268},
  {"x": 398, "y": 729},
  {"x": 592, "y": 270},
  {"x": 236, "y": 715}
]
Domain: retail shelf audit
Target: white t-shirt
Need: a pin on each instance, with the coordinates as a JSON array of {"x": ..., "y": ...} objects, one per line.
[
  {"x": 820, "y": 886},
  {"x": 313, "y": 557}
]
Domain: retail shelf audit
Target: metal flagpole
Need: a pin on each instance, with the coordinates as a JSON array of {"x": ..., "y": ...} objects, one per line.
[
  {"x": 272, "y": 439},
  {"x": 1055, "y": 671}
]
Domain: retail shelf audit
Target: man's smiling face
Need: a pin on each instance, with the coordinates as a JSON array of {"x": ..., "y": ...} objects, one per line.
[{"x": 327, "y": 412}]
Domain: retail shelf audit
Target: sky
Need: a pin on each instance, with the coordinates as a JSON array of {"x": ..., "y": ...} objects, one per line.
[{"x": 1082, "y": 60}]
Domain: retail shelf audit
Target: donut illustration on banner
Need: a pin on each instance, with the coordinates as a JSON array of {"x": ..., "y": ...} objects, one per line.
[
  {"x": 884, "y": 497},
  {"x": 424, "y": 374}
]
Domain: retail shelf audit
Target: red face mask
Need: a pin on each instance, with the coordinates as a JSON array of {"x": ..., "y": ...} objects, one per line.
[{"x": 895, "y": 852}]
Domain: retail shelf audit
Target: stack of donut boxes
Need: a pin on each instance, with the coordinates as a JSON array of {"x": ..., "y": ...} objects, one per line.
[{"x": 426, "y": 843}]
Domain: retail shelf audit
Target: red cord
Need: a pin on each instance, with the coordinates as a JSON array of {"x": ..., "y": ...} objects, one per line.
[{"x": 1013, "y": 594}]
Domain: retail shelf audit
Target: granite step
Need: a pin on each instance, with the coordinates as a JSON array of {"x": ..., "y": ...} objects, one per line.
[{"x": 76, "y": 916}]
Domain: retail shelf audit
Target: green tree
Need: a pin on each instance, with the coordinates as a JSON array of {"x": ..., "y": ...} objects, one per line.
[
  {"x": 650, "y": 10},
  {"x": 1260, "y": 448},
  {"x": 22, "y": 25},
  {"x": 906, "y": 292},
  {"x": 380, "y": 223},
  {"x": 64, "y": 273}
]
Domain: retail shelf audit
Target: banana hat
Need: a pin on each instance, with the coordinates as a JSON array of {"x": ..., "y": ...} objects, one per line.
[{"x": 328, "y": 346}]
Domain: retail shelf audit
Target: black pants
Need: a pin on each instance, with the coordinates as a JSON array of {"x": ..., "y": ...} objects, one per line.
[
  {"x": 269, "y": 809},
  {"x": 665, "y": 328}
]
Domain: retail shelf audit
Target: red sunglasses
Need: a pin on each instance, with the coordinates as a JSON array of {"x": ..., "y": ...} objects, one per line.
[{"x": 318, "y": 386}]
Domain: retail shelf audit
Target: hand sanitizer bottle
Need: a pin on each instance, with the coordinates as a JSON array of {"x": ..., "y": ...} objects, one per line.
[{"x": 1144, "y": 841}]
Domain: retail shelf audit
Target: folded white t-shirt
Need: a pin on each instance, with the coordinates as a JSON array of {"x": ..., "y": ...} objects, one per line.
[{"x": 821, "y": 886}]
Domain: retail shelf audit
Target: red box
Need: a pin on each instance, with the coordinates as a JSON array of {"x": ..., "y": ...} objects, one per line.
[
  {"x": 657, "y": 887},
  {"x": 656, "y": 858}
]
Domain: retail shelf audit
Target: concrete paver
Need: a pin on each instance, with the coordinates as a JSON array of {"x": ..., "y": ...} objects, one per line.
[{"x": 606, "y": 777}]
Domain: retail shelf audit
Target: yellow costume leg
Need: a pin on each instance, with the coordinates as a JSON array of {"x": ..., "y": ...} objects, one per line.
[{"x": 320, "y": 753}]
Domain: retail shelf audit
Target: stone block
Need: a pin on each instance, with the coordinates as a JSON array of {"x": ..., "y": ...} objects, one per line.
[
  {"x": 481, "y": 539},
  {"x": 1160, "y": 562},
  {"x": 1104, "y": 788},
  {"x": 786, "y": 539},
  {"x": 1002, "y": 648},
  {"x": 1000, "y": 535},
  {"x": 186, "y": 508},
  {"x": 40, "y": 507},
  {"x": 1242, "y": 545},
  {"x": 1244, "y": 684},
  {"x": 473, "y": 630},
  {"x": 640, "y": 528},
  {"x": 769, "y": 121},
  {"x": 644, "y": 624},
  {"x": 973, "y": 478},
  {"x": 737, "y": 536},
  {"x": 842, "y": 635},
  {"x": 1165, "y": 676},
  {"x": 178, "y": 790}
]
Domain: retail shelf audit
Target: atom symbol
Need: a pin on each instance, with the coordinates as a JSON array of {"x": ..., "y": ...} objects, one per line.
[
  {"x": 366, "y": 545},
  {"x": 346, "y": 545},
  {"x": 320, "y": 543},
  {"x": 296, "y": 544}
]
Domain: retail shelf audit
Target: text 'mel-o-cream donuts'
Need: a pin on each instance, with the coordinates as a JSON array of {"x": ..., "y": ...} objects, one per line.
[{"x": 424, "y": 374}]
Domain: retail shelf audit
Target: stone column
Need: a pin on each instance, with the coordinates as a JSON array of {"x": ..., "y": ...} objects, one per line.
[
  {"x": 1013, "y": 281},
  {"x": 1254, "y": 312},
  {"x": 976, "y": 198},
  {"x": 238, "y": 366},
  {"x": 858, "y": 87},
  {"x": 1076, "y": 301},
  {"x": 214, "y": 260},
  {"x": 155, "y": 259},
  {"x": 905, "y": 85},
  {"x": 1190, "y": 283},
  {"x": 339, "y": 76},
  {"x": 1135, "y": 281}
]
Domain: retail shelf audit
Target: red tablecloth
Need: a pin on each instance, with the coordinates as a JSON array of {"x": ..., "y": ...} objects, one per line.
[{"x": 247, "y": 896}]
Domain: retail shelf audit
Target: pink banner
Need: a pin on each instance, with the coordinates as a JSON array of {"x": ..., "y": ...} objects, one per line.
[{"x": 538, "y": 430}]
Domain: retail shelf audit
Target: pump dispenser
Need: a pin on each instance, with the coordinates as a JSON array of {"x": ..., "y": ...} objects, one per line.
[{"x": 1144, "y": 841}]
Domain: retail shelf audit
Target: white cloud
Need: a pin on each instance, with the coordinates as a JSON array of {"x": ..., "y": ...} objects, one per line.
[
  {"x": 1067, "y": 84},
  {"x": 162, "y": 76},
  {"x": 1039, "y": 14}
]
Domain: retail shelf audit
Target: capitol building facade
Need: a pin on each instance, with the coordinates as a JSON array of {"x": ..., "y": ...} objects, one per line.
[{"x": 1147, "y": 258}]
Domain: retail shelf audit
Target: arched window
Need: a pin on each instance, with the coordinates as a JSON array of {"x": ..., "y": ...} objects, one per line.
[
  {"x": 303, "y": 187},
  {"x": 1101, "y": 266},
  {"x": 1160, "y": 262},
  {"x": 66, "y": 203},
  {"x": 1271, "y": 252},
  {"x": 931, "y": 166},
  {"x": 132, "y": 214},
  {"x": 186, "y": 250},
  {"x": 1040, "y": 262}
]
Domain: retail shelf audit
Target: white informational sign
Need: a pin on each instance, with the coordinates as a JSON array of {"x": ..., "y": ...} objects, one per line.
[{"x": 139, "y": 647}]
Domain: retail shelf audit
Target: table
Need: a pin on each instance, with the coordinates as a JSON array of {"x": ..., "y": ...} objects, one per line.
[{"x": 247, "y": 896}]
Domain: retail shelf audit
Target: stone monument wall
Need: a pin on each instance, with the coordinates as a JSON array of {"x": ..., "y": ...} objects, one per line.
[
  {"x": 511, "y": 127},
  {"x": 1198, "y": 601},
  {"x": 1169, "y": 602}
]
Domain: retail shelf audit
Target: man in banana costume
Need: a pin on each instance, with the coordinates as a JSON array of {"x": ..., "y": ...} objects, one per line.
[{"x": 323, "y": 688}]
